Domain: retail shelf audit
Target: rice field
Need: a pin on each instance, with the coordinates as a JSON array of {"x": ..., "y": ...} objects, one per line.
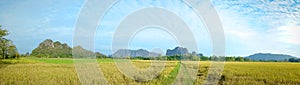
[{"x": 37, "y": 71}]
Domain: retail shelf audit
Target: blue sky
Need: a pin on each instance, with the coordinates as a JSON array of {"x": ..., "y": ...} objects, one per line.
[{"x": 250, "y": 26}]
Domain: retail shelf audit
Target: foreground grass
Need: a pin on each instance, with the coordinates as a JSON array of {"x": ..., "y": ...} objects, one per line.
[
  {"x": 62, "y": 72},
  {"x": 37, "y": 74},
  {"x": 115, "y": 77},
  {"x": 272, "y": 73}
]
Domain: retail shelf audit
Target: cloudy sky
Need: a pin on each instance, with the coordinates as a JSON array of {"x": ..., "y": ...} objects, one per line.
[{"x": 250, "y": 26}]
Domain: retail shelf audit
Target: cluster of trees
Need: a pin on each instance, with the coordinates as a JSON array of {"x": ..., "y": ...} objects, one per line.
[
  {"x": 189, "y": 57},
  {"x": 294, "y": 60},
  {"x": 143, "y": 58},
  {"x": 173, "y": 57},
  {"x": 233, "y": 58},
  {"x": 7, "y": 48}
]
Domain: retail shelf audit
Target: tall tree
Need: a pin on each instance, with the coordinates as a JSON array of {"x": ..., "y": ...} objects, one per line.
[
  {"x": 4, "y": 46},
  {"x": 7, "y": 49},
  {"x": 12, "y": 51}
]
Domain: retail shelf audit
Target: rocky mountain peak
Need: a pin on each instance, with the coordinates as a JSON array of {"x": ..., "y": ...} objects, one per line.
[
  {"x": 177, "y": 51},
  {"x": 134, "y": 53}
]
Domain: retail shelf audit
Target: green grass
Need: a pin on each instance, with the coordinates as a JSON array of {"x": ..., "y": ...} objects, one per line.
[
  {"x": 105, "y": 60},
  {"x": 54, "y": 60},
  {"x": 46, "y": 60},
  {"x": 17, "y": 61},
  {"x": 172, "y": 75}
]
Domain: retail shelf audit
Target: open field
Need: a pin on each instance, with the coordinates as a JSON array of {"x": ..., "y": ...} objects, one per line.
[{"x": 37, "y": 71}]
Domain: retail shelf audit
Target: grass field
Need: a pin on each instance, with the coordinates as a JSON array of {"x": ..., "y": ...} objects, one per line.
[{"x": 36, "y": 71}]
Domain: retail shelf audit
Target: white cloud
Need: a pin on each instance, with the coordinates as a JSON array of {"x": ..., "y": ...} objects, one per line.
[
  {"x": 289, "y": 34},
  {"x": 245, "y": 38},
  {"x": 271, "y": 13},
  {"x": 118, "y": 13}
]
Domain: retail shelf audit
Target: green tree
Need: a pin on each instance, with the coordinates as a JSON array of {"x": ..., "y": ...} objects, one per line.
[
  {"x": 3, "y": 32},
  {"x": 247, "y": 59},
  {"x": 4, "y": 47},
  {"x": 230, "y": 58},
  {"x": 239, "y": 59},
  {"x": 7, "y": 48},
  {"x": 12, "y": 51},
  {"x": 204, "y": 58}
]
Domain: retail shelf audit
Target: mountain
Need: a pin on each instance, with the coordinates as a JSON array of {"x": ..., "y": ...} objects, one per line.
[
  {"x": 135, "y": 53},
  {"x": 80, "y": 52},
  {"x": 195, "y": 54},
  {"x": 51, "y": 49},
  {"x": 177, "y": 51},
  {"x": 269, "y": 56}
]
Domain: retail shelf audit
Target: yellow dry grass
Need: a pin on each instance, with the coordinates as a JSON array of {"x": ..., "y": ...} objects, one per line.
[{"x": 237, "y": 73}]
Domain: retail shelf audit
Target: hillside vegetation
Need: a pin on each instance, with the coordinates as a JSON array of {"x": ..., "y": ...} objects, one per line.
[
  {"x": 7, "y": 48},
  {"x": 51, "y": 49}
]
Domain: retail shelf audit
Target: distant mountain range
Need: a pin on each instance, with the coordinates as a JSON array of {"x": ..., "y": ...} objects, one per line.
[
  {"x": 269, "y": 56},
  {"x": 55, "y": 49},
  {"x": 145, "y": 53},
  {"x": 135, "y": 53},
  {"x": 51, "y": 49}
]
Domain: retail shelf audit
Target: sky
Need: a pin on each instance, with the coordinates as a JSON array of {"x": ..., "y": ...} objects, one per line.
[{"x": 250, "y": 26}]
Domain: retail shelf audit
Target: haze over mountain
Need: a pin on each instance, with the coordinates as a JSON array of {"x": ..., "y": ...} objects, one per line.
[
  {"x": 145, "y": 53},
  {"x": 269, "y": 56},
  {"x": 134, "y": 53},
  {"x": 80, "y": 52}
]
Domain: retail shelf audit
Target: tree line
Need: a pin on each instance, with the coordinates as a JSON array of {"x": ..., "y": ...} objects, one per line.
[
  {"x": 190, "y": 57},
  {"x": 211, "y": 58},
  {"x": 294, "y": 60}
]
